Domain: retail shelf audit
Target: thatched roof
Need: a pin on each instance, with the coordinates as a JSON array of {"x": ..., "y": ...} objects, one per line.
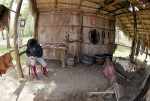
[
  {"x": 4, "y": 17},
  {"x": 107, "y": 8}
]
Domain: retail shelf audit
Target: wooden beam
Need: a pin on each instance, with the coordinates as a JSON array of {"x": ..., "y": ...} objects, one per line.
[
  {"x": 109, "y": 5},
  {"x": 145, "y": 10},
  {"x": 123, "y": 25},
  {"x": 39, "y": 7},
  {"x": 95, "y": 2},
  {"x": 80, "y": 35},
  {"x": 130, "y": 23},
  {"x": 144, "y": 91},
  {"x": 18, "y": 63},
  {"x": 74, "y": 10},
  {"x": 140, "y": 3},
  {"x": 128, "y": 7},
  {"x": 142, "y": 23},
  {"x": 55, "y": 3},
  {"x": 35, "y": 24},
  {"x": 80, "y": 4},
  {"x": 21, "y": 53}
]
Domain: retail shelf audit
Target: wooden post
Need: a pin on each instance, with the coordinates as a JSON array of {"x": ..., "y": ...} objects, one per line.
[
  {"x": 3, "y": 34},
  {"x": 134, "y": 37},
  {"x": 18, "y": 63},
  {"x": 80, "y": 32},
  {"x": 35, "y": 23}
]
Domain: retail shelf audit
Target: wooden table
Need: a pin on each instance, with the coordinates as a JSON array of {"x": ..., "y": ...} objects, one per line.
[{"x": 55, "y": 52}]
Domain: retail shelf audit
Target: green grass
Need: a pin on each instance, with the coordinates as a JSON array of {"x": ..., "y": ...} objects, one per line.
[
  {"x": 4, "y": 50},
  {"x": 125, "y": 52}
]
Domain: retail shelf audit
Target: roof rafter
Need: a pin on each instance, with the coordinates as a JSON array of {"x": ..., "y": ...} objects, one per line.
[
  {"x": 145, "y": 10},
  {"x": 123, "y": 26},
  {"x": 129, "y": 7},
  {"x": 130, "y": 23},
  {"x": 64, "y": 4},
  {"x": 55, "y": 3},
  {"x": 142, "y": 23},
  {"x": 109, "y": 5},
  {"x": 95, "y": 2},
  {"x": 80, "y": 4}
]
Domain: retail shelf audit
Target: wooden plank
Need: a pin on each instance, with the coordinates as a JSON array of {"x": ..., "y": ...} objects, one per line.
[
  {"x": 80, "y": 34},
  {"x": 55, "y": 3},
  {"x": 143, "y": 92},
  {"x": 145, "y": 10},
  {"x": 80, "y": 4},
  {"x": 105, "y": 92},
  {"x": 124, "y": 27},
  {"x": 95, "y": 2},
  {"x": 40, "y": 6},
  {"x": 128, "y": 7},
  {"x": 109, "y": 5},
  {"x": 144, "y": 80},
  {"x": 130, "y": 22},
  {"x": 18, "y": 63},
  {"x": 119, "y": 91}
]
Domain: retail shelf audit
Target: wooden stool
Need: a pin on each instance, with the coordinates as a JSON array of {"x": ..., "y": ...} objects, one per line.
[{"x": 28, "y": 63}]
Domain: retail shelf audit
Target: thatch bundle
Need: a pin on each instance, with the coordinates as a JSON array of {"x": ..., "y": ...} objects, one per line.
[
  {"x": 4, "y": 17},
  {"x": 122, "y": 28}
]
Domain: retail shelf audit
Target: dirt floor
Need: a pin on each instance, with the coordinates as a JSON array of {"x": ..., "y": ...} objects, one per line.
[{"x": 63, "y": 84}]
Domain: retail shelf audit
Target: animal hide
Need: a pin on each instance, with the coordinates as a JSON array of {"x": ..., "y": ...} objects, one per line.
[
  {"x": 5, "y": 63},
  {"x": 4, "y": 17},
  {"x": 109, "y": 72}
]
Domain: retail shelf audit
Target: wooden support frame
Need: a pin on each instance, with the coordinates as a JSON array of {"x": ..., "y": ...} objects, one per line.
[
  {"x": 130, "y": 22},
  {"x": 128, "y": 7},
  {"x": 35, "y": 23},
  {"x": 109, "y": 5},
  {"x": 63, "y": 3},
  {"x": 80, "y": 4},
  {"x": 95, "y": 2},
  {"x": 145, "y": 10},
  {"x": 122, "y": 25},
  {"x": 18, "y": 63},
  {"x": 80, "y": 34},
  {"x": 55, "y": 3}
]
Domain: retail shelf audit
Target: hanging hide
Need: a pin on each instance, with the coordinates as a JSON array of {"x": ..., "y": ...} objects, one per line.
[
  {"x": 142, "y": 47},
  {"x": 109, "y": 72},
  {"x": 5, "y": 63},
  {"x": 4, "y": 17},
  {"x": 138, "y": 48},
  {"x": 103, "y": 37}
]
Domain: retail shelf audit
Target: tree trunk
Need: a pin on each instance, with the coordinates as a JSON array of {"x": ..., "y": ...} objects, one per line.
[
  {"x": 8, "y": 34},
  {"x": 3, "y": 35},
  {"x": 18, "y": 63}
]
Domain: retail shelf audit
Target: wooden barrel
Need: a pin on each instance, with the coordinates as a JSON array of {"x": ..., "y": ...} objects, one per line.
[
  {"x": 99, "y": 59},
  {"x": 70, "y": 61}
]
